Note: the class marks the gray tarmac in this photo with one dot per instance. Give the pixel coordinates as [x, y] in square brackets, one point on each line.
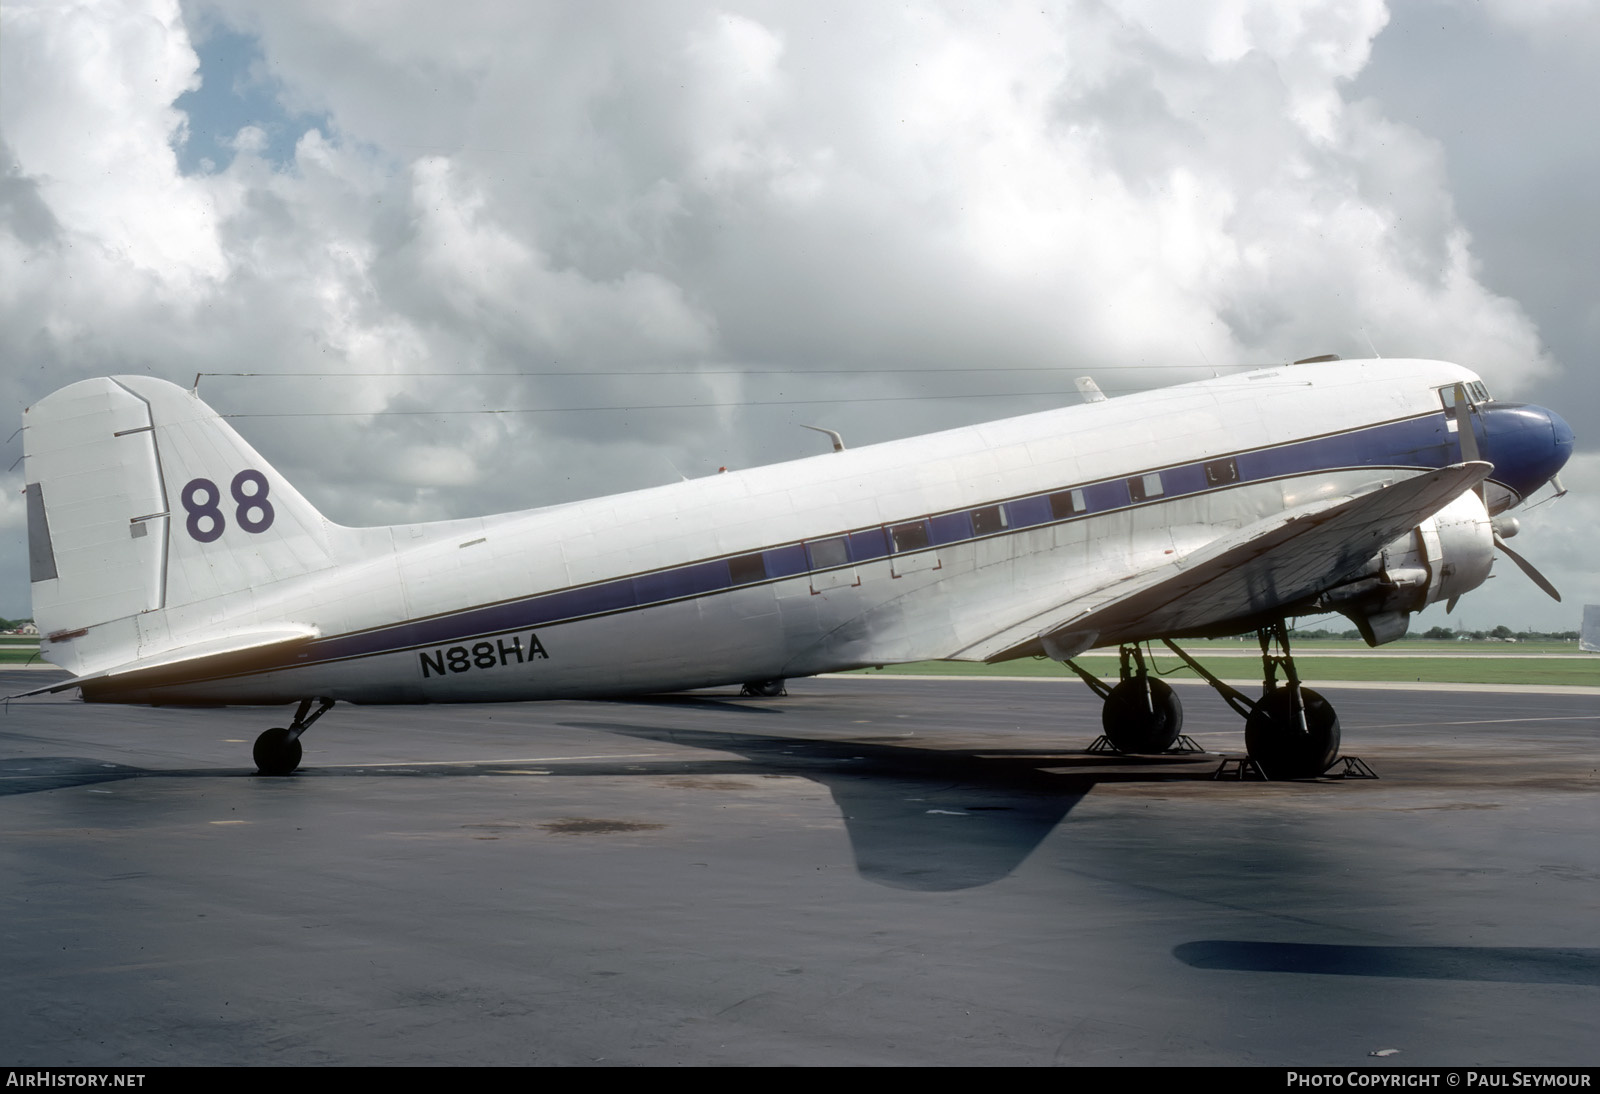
[869, 871]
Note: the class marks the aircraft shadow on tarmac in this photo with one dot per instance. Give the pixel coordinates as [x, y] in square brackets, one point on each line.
[917, 818]
[936, 820]
[31, 774]
[928, 819]
[1506, 964]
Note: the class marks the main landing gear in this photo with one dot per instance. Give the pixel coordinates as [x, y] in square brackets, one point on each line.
[277, 751]
[1142, 714]
[765, 689]
[1291, 732]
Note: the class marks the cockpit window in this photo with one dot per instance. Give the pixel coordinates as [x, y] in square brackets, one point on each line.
[1477, 394]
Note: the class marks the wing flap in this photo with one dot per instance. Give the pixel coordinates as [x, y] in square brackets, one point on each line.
[1266, 565]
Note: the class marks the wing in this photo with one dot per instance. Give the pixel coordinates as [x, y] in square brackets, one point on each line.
[1264, 566]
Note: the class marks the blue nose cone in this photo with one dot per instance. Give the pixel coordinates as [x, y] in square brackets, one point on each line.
[1527, 444]
[1563, 433]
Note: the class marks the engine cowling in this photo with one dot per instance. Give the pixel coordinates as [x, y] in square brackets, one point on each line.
[1445, 556]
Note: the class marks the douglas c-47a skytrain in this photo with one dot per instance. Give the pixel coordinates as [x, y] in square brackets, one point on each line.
[170, 564]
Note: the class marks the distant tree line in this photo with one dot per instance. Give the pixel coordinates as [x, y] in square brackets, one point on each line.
[1501, 633]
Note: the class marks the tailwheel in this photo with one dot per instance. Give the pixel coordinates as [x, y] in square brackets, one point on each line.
[1293, 733]
[276, 752]
[1142, 714]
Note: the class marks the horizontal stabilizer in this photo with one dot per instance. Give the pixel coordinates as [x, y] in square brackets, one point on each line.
[1262, 567]
[224, 655]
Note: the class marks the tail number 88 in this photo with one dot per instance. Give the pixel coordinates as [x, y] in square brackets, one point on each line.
[201, 500]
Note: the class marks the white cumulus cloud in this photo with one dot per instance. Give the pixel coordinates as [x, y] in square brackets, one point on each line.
[841, 191]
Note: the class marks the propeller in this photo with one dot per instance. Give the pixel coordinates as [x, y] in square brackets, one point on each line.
[1464, 431]
[1528, 568]
[1505, 527]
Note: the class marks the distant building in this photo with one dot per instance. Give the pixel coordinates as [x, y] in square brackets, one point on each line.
[1589, 637]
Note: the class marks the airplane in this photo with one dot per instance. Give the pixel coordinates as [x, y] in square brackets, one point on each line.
[171, 564]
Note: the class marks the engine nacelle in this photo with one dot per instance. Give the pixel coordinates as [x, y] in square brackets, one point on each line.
[1446, 555]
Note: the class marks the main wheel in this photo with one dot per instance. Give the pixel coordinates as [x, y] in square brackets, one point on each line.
[765, 689]
[1278, 745]
[276, 753]
[1137, 721]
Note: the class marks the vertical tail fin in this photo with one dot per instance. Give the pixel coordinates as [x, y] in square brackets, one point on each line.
[143, 502]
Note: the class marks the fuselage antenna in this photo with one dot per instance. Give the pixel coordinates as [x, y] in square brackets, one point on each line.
[838, 441]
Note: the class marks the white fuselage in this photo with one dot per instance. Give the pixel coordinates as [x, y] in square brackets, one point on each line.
[743, 576]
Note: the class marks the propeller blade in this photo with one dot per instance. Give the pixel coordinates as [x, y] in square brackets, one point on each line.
[1463, 415]
[1462, 412]
[1528, 568]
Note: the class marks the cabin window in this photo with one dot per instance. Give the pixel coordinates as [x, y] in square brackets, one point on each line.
[1067, 503]
[828, 553]
[743, 569]
[912, 536]
[1222, 472]
[988, 520]
[1144, 487]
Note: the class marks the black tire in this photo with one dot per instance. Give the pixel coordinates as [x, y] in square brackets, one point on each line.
[1276, 743]
[765, 689]
[1130, 723]
[276, 753]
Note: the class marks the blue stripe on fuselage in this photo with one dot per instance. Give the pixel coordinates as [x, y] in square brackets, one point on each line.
[1412, 443]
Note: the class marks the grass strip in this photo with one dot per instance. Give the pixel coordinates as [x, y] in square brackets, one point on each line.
[1379, 668]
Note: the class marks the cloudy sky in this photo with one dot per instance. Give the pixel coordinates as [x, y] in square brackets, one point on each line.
[667, 234]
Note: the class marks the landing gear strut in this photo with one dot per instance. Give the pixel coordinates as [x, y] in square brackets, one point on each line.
[1291, 732]
[765, 689]
[1141, 714]
[277, 751]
